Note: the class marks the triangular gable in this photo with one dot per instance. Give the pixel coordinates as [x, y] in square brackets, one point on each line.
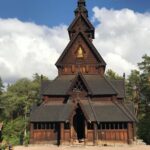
[90, 45]
[79, 83]
[88, 23]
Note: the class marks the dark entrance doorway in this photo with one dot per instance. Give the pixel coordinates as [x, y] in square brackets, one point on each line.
[79, 124]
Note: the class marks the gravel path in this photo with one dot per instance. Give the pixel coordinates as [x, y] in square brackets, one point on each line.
[51, 147]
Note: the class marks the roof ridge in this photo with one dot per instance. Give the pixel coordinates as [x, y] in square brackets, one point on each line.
[111, 85]
[65, 50]
[75, 20]
[95, 116]
[117, 82]
[84, 111]
[130, 112]
[65, 108]
[122, 109]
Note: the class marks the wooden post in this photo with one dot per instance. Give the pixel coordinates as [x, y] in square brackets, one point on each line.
[85, 140]
[130, 133]
[95, 134]
[31, 133]
[61, 133]
[71, 133]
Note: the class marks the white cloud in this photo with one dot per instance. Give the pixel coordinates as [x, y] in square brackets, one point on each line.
[119, 64]
[122, 37]
[26, 48]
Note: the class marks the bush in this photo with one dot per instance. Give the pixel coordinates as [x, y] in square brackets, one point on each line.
[26, 139]
[13, 130]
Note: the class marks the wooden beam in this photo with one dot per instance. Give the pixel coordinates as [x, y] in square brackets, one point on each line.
[130, 133]
[31, 133]
[95, 134]
[71, 133]
[86, 133]
[61, 133]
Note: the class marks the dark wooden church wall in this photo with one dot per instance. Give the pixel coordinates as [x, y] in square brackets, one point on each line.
[67, 133]
[119, 132]
[85, 69]
[87, 64]
[44, 133]
[71, 57]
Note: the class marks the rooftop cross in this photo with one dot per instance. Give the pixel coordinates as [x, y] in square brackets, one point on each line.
[81, 8]
[81, 3]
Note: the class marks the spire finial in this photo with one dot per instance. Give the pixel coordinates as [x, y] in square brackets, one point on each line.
[81, 9]
[81, 3]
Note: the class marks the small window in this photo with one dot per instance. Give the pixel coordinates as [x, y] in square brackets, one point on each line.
[67, 126]
[103, 125]
[35, 126]
[99, 126]
[39, 125]
[52, 125]
[42, 125]
[112, 125]
[107, 126]
[125, 126]
[116, 125]
[120, 126]
[47, 126]
[90, 126]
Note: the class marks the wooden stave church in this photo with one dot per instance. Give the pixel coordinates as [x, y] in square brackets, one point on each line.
[81, 105]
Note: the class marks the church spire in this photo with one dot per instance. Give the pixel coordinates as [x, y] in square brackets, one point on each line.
[81, 22]
[81, 8]
[81, 3]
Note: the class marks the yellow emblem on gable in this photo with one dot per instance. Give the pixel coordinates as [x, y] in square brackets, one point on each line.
[80, 53]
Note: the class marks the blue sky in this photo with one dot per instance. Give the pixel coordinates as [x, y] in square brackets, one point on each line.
[55, 12]
[33, 34]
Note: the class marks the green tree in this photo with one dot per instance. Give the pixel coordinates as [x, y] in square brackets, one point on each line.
[144, 67]
[144, 127]
[1, 92]
[138, 91]
[112, 75]
[16, 102]
[133, 84]
[13, 131]
[1, 86]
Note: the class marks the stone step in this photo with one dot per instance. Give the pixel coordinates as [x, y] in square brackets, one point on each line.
[139, 142]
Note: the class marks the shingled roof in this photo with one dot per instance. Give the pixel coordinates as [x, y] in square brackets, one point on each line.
[59, 86]
[93, 112]
[99, 85]
[115, 111]
[96, 84]
[52, 113]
